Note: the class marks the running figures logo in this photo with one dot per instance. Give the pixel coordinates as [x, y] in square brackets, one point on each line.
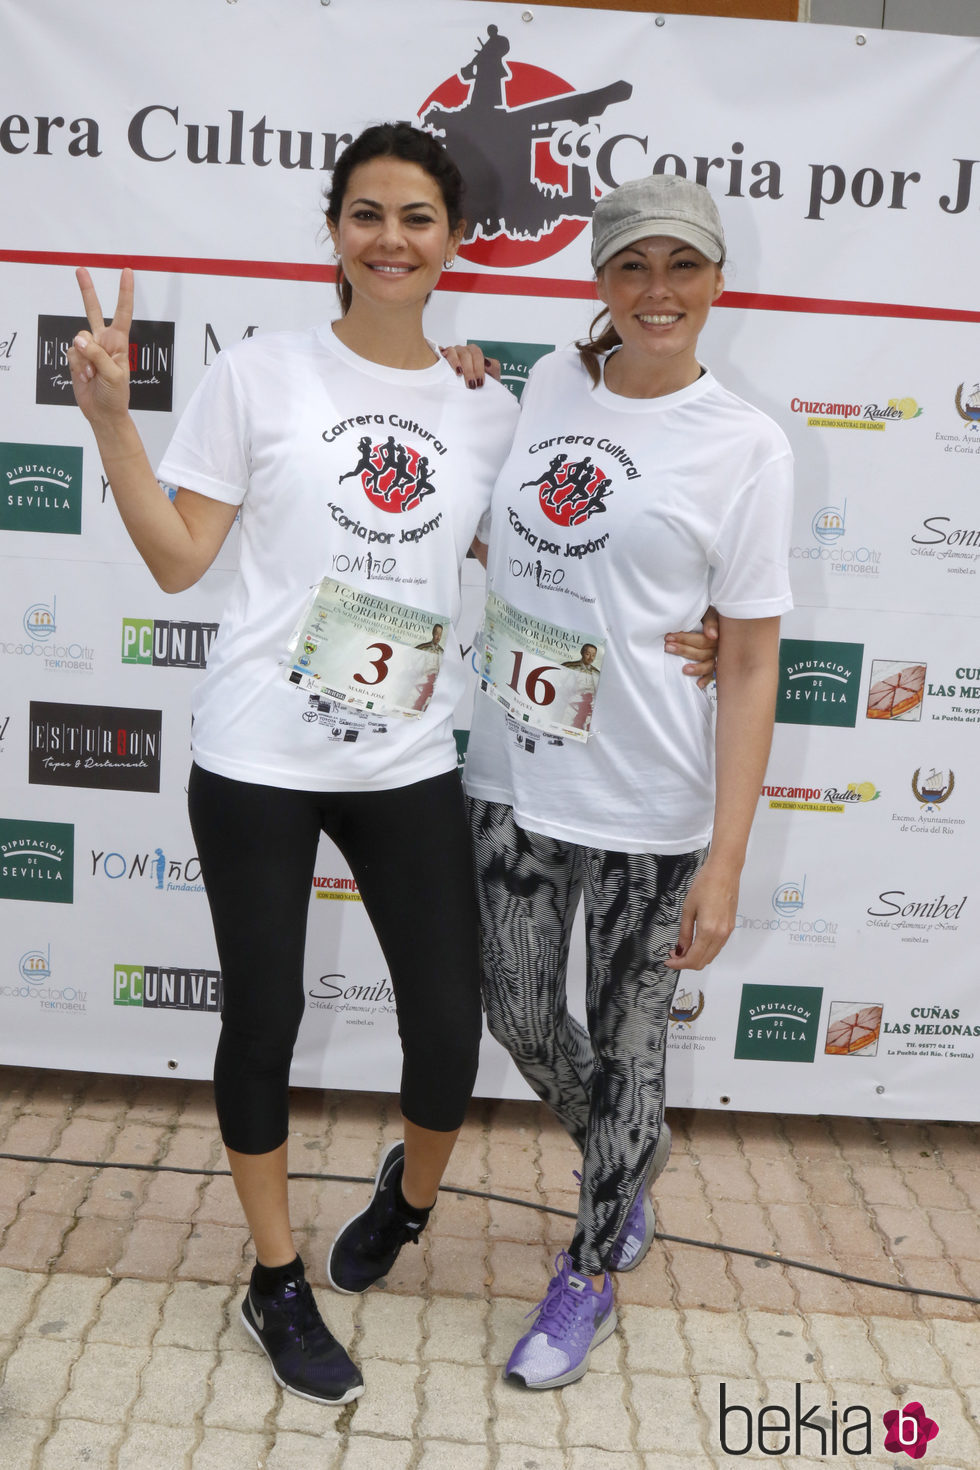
[394, 476]
[570, 491]
[527, 145]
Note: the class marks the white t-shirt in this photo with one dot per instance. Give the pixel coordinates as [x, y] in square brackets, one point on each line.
[647, 510]
[376, 477]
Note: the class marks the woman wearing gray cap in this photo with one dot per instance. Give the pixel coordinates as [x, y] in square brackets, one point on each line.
[670, 493]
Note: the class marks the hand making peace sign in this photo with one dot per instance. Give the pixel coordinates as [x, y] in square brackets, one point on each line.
[99, 360]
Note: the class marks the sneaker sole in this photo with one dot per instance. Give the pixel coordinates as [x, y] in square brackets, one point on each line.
[579, 1371]
[658, 1164]
[348, 1397]
[359, 1290]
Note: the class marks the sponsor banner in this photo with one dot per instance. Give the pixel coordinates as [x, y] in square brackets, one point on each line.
[94, 746]
[869, 367]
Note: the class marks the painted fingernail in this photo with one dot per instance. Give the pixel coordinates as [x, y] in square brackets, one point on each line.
[471, 382]
[479, 383]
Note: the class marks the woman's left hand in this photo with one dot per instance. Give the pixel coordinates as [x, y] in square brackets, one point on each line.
[700, 646]
[707, 918]
[468, 361]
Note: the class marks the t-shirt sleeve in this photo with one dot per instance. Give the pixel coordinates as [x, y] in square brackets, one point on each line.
[506, 412]
[750, 555]
[209, 452]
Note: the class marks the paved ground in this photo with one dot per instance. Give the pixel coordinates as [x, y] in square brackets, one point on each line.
[121, 1345]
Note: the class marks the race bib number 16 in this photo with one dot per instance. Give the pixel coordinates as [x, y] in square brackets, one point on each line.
[546, 677]
[367, 652]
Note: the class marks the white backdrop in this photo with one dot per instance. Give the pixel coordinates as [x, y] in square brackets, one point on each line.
[198, 154]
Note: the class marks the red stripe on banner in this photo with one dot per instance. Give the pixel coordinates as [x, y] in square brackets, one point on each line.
[488, 283]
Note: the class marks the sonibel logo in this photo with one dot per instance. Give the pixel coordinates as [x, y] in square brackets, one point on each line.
[37, 861]
[818, 682]
[166, 988]
[570, 491]
[527, 147]
[778, 1023]
[41, 488]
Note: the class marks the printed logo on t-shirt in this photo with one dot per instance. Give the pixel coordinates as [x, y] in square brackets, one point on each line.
[395, 477]
[570, 491]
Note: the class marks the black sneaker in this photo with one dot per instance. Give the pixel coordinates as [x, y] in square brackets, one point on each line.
[306, 1358]
[366, 1247]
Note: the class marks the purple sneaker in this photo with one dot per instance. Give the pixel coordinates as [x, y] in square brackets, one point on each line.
[640, 1226]
[572, 1319]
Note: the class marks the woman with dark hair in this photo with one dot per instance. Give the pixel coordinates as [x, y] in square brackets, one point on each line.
[327, 441]
[697, 503]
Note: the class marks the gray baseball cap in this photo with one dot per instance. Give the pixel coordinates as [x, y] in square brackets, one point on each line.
[662, 204]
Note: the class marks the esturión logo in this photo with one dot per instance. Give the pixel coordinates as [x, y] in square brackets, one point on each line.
[103, 746]
[526, 144]
[151, 362]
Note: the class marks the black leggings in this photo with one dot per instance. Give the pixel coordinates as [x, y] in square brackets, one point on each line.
[409, 851]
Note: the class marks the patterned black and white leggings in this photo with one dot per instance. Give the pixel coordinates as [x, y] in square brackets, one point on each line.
[606, 1085]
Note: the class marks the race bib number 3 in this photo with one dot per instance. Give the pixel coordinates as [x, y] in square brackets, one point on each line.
[545, 676]
[367, 652]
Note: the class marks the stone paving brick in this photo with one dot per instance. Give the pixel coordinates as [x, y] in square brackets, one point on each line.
[94, 1246]
[596, 1407]
[105, 1382]
[522, 1417]
[224, 1449]
[967, 1183]
[152, 1249]
[761, 1137]
[777, 1180]
[220, 1205]
[781, 1346]
[936, 1189]
[959, 1342]
[198, 1106]
[444, 1455]
[138, 1143]
[718, 1344]
[193, 1148]
[105, 1096]
[507, 1320]
[591, 1459]
[700, 1278]
[36, 1376]
[130, 1312]
[467, 1167]
[456, 1267]
[907, 1231]
[845, 1349]
[512, 1169]
[670, 1420]
[170, 1197]
[77, 1442]
[156, 1100]
[705, 1131]
[882, 1185]
[520, 1456]
[460, 1214]
[726, 1177]
[908, 1352]
[816, 1292]
[456, 1331]
[691, 1217]
[680, 1178]
[456, 1402]
[192, 1315]
[306, 1452]
[113, 1195]
[390, 1326]
[174, 1376]
[21, 1441]
[761, 1285]
[810, 1138]
[519, 1270]
[513, 1222]
[959, 1230]
[653, 1339]
[210, 1252]
[368, 1453]
[243, 1393]
[34, 1133]
[867, 1300]
[19, 1291]
[389, 1405]
[650, 1285]
[66, 1306]
[17, 1180]
[57, 1191]
[828, 1183]
[849, 1230]
[33, 1241]
[87, 1138]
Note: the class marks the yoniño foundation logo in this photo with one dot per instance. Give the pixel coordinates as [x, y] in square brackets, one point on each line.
[526, 143]
[818, 682]
[778, 1023]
